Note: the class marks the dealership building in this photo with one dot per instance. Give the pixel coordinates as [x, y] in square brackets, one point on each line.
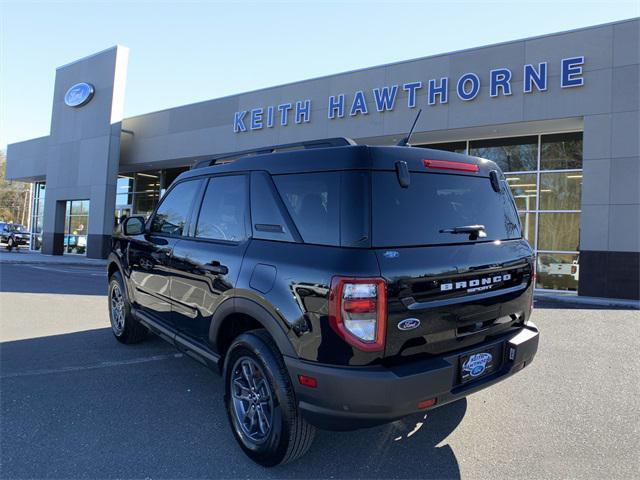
[559, 113]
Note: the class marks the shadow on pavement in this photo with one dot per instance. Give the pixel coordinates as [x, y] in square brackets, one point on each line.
[83, 406]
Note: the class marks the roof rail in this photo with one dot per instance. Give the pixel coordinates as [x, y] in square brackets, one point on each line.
[230, 157]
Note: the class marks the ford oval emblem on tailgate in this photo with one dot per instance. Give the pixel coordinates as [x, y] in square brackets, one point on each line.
[408, 324]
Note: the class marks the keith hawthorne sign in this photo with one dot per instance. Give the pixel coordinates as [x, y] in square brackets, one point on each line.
[435, 91]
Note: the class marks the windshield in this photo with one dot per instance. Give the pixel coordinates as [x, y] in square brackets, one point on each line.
[16, 228]
[434, 202]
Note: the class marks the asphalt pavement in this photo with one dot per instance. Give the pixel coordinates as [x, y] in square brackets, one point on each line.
[77, 404]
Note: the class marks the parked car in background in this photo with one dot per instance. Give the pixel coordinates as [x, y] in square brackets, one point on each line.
[13, 235]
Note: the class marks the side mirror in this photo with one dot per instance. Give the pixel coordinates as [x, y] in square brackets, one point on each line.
[133, 226]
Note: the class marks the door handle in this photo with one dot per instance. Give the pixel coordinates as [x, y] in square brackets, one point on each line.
[215, 268]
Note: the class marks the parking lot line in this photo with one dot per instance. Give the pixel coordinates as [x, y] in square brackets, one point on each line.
[133, 361]
[81, 271]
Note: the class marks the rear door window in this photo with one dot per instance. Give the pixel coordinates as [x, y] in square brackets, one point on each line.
[434, 202]
[224, 209]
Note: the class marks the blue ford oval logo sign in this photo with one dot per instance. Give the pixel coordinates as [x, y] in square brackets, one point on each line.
[408, 324]
[79, 94]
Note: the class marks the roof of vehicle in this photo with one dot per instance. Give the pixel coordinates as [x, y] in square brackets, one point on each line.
[352, 157]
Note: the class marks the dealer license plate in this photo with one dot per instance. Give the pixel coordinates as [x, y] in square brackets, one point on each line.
[478, 364]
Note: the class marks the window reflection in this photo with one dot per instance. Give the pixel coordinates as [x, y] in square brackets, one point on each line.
[561, 151]
[560, 191]
[558, 271]
[523, 186]
[513, 154]
[559, 231]
[528, 222]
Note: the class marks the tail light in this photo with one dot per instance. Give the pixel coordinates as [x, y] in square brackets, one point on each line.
[358, 311]
[574, 269]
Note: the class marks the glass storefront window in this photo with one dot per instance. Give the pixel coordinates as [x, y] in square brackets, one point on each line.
[561, 151]
[524, 187]
[559, 231]
[36, 242]
[76, 227]
[145, 202]
[123, 199]
[560, 191]
[37, 224]
[125, 184]
[37, 215]
[558, 271]
[78, 207]
[124, 191]
[515, 154]
[145, 181]
[528, 222]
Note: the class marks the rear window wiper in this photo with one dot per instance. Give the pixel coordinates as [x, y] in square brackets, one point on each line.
[474, 231]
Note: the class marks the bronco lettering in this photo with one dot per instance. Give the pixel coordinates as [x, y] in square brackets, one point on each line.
[460, 284]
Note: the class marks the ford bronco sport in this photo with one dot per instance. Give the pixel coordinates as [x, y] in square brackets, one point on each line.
[336, 286]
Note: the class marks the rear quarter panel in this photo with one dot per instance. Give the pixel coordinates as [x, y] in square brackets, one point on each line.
[299, 293]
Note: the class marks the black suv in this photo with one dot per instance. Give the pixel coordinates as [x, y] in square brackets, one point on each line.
[13, 235]
[336, 287]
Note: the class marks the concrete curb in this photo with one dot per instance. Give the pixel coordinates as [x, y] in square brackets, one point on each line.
[597, 301]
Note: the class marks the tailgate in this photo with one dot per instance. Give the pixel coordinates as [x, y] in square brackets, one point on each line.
[460, 294]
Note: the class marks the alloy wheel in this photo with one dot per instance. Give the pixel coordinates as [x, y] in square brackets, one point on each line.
[117, 309]
[252, 401]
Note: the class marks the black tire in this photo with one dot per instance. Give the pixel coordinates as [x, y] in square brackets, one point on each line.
[128, 329]
[10, 244]
[289, 436]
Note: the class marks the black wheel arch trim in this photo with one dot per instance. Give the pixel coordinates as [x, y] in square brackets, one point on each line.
[115, 259]
[234, 305]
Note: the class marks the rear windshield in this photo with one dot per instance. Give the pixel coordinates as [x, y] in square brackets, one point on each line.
[434, 202]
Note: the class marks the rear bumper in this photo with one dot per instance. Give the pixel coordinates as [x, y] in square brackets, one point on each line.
[348, 398]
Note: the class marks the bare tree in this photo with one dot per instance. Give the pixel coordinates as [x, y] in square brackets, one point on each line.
[14, 197]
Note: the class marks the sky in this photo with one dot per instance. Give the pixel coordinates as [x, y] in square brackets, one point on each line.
[183, 52]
